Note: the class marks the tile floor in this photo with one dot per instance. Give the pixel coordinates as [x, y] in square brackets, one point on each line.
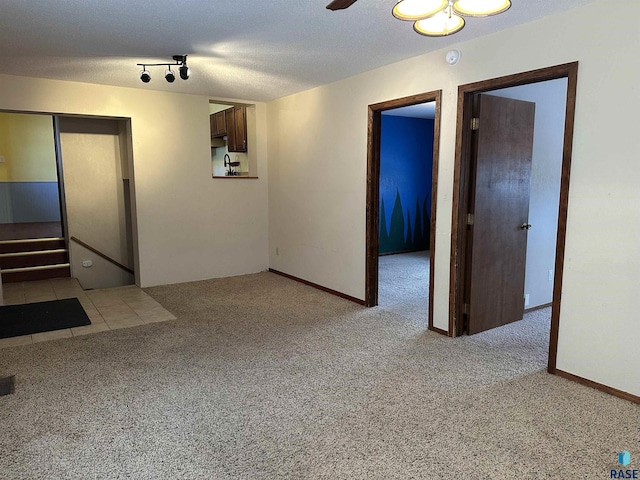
[108, 309]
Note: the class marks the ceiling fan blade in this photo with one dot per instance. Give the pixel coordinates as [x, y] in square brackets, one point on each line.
[340, 4]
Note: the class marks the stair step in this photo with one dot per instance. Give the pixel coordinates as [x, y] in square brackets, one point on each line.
[41, 272]
[31, 244]
[33, 259]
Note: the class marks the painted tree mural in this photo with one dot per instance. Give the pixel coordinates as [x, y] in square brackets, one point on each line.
[406, 150]
[384, 234]
[398, 239]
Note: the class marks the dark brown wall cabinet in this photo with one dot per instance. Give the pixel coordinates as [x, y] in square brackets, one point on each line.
[236, 129]
[231, 122]
[218, 124]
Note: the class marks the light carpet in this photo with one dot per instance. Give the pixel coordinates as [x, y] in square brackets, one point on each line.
[261, 377]
[403, 284]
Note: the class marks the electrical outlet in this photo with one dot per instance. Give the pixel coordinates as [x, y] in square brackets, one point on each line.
[550, 275]
[277, 251]
[1, 158]
[526, 299]
[87, 263]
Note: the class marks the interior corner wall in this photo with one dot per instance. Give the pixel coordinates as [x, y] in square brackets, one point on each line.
[188, 226]
[318, 165]
[406, 161]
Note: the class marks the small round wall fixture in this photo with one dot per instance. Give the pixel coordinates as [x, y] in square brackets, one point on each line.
[453, 57]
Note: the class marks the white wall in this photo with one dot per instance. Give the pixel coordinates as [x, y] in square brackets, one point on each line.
[546, 167]
[317, 173]
[101, 274]
[185, 232]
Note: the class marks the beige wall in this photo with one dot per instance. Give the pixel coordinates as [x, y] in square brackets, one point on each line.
[26, 143]
[101, 273]
[317, 176]
[185, 230]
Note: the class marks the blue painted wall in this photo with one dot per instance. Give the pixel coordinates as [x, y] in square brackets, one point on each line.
[22, 202]
[406, 158]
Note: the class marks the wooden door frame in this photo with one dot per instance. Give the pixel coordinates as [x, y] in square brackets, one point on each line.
[461, 189]
[373, 192]
[60, 174]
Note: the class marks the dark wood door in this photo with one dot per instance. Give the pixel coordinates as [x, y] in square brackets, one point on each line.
[499, 200]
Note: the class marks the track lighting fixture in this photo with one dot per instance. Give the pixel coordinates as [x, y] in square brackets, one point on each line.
[169, 75]
[184, 72]
[145, 76]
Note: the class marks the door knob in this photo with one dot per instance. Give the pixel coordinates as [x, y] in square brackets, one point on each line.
[525, 226]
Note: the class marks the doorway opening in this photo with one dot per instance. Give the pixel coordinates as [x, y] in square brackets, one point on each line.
[32, 245]
[99, 195]
[29, 199]
[67, 200]
[396, 173]
[491, 202]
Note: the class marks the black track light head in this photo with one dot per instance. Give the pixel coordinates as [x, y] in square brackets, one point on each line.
[184, 72]
[169, 76]
[145, 76]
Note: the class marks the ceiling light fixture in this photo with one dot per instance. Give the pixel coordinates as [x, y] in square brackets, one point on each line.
[184, 71]
[438, 18]
[417, 9]
[169, 75]
[481, 8]
[145, 76]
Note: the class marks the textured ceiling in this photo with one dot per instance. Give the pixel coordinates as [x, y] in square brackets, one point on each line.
[243, 49]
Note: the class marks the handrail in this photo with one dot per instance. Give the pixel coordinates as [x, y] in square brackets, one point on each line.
[30, 240]
[102, 255]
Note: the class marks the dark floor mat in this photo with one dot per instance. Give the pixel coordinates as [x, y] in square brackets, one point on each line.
[39, 317]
